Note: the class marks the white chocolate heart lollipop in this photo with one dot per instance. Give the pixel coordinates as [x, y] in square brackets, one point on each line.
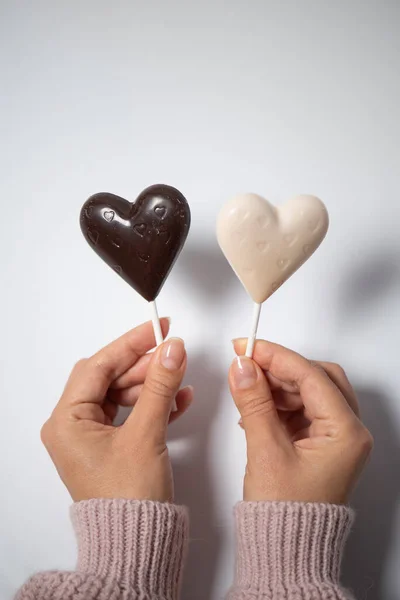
[265, 244]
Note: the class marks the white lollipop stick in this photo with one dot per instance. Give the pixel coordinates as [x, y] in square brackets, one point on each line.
[156, 324]
[159, 335]
[253, 335]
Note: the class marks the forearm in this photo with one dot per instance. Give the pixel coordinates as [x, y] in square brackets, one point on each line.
[126, 550]
[289, 551]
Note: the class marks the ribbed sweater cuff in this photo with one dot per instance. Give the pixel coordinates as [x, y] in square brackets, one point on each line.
[289, 547]
[139, 545]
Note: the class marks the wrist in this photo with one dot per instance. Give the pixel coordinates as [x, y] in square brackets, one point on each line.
[138, 545]
[285, 545]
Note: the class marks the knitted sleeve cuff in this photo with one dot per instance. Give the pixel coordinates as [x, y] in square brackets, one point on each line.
[139, 545]
[289, 547]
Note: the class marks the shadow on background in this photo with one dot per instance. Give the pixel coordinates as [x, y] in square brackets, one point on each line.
[366, 286]
[192, 471]
[205, 270]
[193, 486]
[375, 502]
[367, 282]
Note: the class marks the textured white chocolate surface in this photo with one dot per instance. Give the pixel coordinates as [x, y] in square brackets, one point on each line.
[265, 244]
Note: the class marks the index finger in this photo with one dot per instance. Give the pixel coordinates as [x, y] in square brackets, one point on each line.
[90, 379]
[320, 396]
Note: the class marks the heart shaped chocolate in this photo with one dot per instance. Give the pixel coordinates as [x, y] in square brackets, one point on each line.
[141, 240]
[265, 244]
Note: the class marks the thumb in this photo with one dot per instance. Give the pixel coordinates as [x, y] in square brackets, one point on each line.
[253, 398]
[163, 380]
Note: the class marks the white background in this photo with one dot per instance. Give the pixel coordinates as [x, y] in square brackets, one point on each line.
[215, 98]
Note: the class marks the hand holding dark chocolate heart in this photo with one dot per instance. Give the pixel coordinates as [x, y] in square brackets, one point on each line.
[141, 240]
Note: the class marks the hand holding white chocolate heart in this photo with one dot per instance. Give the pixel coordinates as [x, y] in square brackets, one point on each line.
[265, 244]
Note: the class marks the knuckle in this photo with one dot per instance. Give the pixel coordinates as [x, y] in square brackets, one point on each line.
[45, 433]
[255, 404]
[366, 441]
[101, 366]
[79, 364]
[339, 371]
[316, 366]
[331, 367]
[359, 437]
[159, 386]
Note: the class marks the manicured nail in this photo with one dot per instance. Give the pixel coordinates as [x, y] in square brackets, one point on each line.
[173, 354]
[237, 340]
[189, 391]
[244, 372]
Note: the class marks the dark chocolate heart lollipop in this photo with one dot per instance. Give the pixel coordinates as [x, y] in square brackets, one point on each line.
[141, 240]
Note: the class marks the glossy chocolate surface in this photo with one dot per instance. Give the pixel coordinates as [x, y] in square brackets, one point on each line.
[141, 240]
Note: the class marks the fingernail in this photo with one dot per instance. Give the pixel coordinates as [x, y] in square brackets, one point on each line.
[236, 340]
[244, 372]
[173, 354]
[189, 391]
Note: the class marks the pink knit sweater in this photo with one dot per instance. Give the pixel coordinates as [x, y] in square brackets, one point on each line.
[131, 550]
